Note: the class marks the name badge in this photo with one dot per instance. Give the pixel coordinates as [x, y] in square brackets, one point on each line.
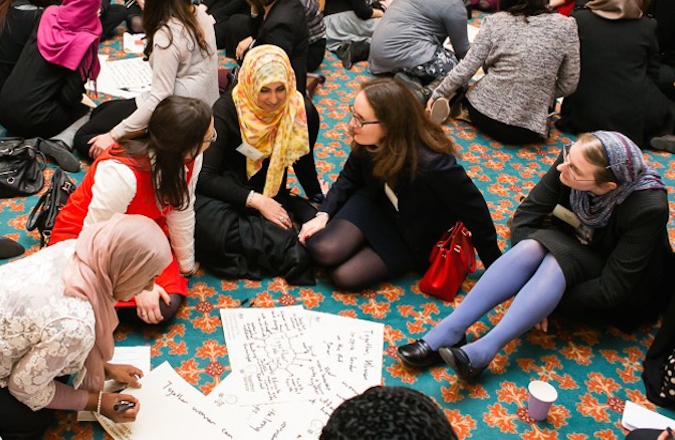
[566, 215]
[249, 151]
[391, 195]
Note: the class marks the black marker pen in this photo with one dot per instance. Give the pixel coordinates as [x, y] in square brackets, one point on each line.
[124, 405]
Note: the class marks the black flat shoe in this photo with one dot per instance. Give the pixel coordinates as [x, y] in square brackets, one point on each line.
[459, 361]
[344, 53]
[60, 152]
[10, 248]
[420, 355]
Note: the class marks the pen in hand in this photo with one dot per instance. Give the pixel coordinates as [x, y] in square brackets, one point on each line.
[124, 405]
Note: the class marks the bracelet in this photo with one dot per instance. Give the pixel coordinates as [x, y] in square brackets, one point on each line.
[321, 213]
[249, 198]
[100, 399]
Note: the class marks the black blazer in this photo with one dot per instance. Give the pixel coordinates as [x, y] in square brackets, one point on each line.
[430, 204]
[223, 175]
[286, 26]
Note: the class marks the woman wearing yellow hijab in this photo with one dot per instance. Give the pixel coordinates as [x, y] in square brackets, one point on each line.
[244, 210]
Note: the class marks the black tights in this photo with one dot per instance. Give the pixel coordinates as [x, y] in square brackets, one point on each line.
[130, 315]
[342, 247]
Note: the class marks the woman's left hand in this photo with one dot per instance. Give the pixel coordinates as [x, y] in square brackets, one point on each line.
[242, 47]
[312, 227]
[127, 374]
[100, 143]
[430, 104]
[147, 304]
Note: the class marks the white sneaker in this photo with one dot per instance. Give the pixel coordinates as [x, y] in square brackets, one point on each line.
[440, 110]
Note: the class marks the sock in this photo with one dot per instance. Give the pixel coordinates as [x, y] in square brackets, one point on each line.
[505, 277]
[535, 301]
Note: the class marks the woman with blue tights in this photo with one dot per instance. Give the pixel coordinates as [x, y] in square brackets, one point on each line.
[591, 236]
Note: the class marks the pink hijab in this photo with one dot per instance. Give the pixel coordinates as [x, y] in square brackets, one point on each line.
[113, 260]
[68, 36]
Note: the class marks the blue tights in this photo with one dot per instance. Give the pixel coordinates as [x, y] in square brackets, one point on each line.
[527, 271]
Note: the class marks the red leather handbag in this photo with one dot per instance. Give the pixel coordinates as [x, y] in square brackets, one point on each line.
[451, 259]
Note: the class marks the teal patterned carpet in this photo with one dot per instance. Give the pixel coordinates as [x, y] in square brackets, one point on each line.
[595, 369]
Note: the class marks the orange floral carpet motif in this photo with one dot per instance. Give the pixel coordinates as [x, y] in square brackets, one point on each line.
[595, 369]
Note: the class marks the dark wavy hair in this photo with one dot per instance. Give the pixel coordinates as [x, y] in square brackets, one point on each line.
[525, 8]
[158, 12]
[407, 127]
[176, 132]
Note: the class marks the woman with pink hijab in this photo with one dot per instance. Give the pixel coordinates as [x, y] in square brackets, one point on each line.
[61, 323]
[42, 96]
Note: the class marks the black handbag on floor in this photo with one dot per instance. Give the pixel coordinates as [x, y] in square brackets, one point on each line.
[21, 165]
[44, 213]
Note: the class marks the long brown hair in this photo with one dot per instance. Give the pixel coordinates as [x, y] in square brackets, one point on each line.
[407, 127]
[176, 131]
[158, 12]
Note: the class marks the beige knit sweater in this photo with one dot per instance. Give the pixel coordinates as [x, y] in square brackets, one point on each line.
[178, 68]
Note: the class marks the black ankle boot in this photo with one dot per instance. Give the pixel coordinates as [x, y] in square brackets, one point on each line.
[344, 53]
[360, 51]
[10, 248]
[61, 153]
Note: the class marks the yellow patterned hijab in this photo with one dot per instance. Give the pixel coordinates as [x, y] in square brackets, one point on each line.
[281, 136]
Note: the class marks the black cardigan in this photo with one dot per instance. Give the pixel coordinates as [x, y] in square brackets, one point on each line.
[430, 204]
[223, 175]
[285, 25]
[634, 244]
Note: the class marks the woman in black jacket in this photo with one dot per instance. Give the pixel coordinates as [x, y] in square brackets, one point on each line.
[605, 252]
[244, 209]
[399, 190]
[618, 88]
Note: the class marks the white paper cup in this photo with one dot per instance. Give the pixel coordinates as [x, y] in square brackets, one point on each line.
[542, 396]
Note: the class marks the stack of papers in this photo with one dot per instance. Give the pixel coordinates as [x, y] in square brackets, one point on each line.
[290, 369]
[126, 78]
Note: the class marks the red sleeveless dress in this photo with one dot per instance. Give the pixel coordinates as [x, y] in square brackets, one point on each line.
[70, 220]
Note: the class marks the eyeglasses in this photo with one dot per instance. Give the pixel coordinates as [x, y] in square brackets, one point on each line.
[213, 137]
[358, 121]
[565, 152]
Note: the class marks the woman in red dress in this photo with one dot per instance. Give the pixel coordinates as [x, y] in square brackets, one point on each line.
[153, 173]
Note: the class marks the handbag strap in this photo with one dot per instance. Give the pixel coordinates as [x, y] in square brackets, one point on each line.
[46, 209]
[461, 242]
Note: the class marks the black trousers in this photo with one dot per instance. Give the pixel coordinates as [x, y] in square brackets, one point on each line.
[103, 119]
[111, 18]
[506, 134]
[315, 54]
[18, 422]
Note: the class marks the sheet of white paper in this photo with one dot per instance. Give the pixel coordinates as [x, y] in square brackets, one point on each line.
[280, 359]
[639, 417]
[136, 356]
[172, 409]
[303, 419]
[125, 78]
[354, 346]
[263, 422]
[133, 43]
[275, 356]
[472, 31]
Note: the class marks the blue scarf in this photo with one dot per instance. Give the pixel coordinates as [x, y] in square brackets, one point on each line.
[632, 174]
